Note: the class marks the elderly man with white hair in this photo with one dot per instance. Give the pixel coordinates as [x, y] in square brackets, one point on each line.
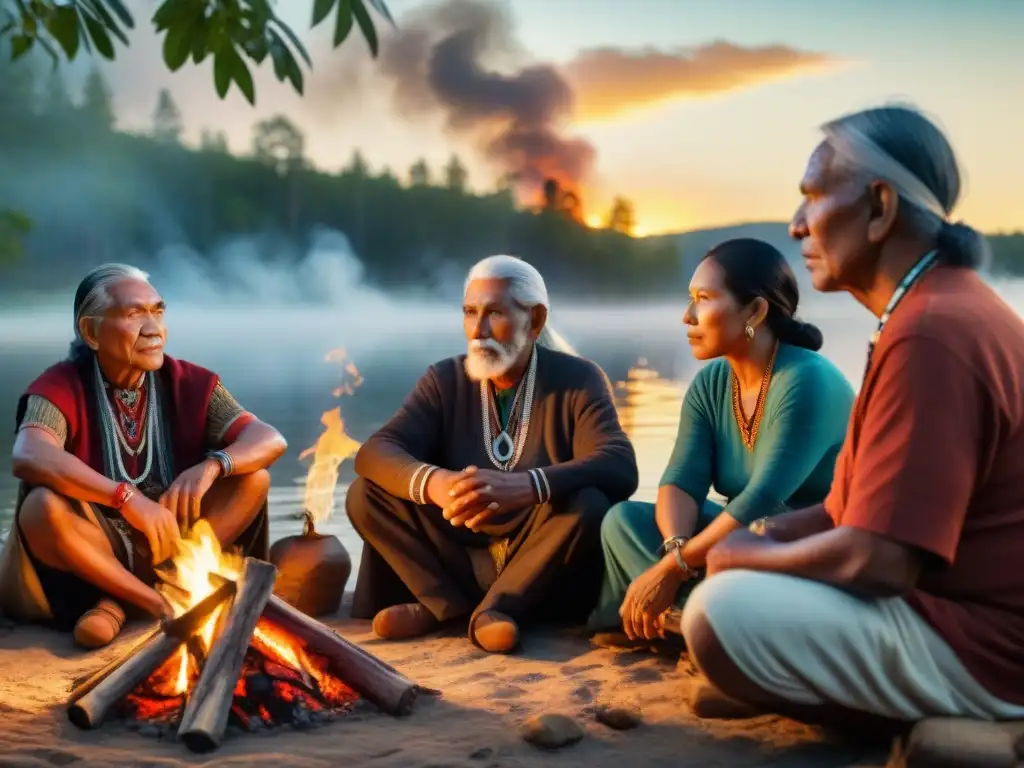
[119, 449]
[482, 498]
[901, 596]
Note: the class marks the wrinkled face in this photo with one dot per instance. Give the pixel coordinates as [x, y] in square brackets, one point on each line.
[715, 321]
[832, 224]
[132, 332]
[498, 330]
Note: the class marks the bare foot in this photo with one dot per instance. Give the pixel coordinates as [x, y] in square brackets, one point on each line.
[100, 625]
[495, 632]
[403, 622]
[707, 702]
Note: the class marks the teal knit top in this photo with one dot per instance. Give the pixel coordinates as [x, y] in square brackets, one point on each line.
[803, 424]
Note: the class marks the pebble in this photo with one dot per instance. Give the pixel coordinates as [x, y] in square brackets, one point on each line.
[551, 731]
[619, 718]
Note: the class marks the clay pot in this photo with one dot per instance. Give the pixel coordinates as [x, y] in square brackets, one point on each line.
[312, 571]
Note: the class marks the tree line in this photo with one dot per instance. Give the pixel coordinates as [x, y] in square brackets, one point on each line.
[93, 193]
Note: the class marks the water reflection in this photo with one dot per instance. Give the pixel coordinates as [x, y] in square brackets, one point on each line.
[648, 407]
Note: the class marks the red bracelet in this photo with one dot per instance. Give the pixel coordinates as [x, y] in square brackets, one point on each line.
[121, 495]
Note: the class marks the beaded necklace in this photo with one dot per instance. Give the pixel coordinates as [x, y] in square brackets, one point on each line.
[748, 429]
[916, 272]
[504, 447]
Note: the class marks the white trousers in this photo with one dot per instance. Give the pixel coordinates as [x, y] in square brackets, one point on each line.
[810, 643]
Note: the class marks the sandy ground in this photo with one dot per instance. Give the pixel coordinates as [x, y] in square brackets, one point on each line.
[475, 723]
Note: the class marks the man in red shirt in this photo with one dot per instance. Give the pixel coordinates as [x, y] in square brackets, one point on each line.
[901, 597]
[119, 449]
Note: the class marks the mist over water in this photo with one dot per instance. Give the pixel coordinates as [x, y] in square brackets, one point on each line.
[267, 326]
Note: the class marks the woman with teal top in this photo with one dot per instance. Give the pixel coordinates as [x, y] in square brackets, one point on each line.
[762, 423]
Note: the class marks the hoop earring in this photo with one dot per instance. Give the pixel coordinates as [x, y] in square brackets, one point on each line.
[749, 330]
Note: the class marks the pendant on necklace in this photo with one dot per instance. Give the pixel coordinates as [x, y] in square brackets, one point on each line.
[503, 447]
[127, 396]
[130, 427]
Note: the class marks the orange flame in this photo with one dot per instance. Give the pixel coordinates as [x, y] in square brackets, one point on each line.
[331, 448]
[199, 557]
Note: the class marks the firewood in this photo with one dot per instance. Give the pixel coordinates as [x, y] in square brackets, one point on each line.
[364, 673]
[92, 700]
[209, 704]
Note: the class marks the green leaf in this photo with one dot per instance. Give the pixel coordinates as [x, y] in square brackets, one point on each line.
[343, 22]
[63, 25]
[243, 78]
[257, 49]
[121, 12]
[366, 25]
[173, 12]
[295, 75]
[199, 49]
[100, 38]
[280, 55]
[16, 221]
[321, 8]
[97, 9]
[296, 43]
[222, 68]
[20, 45]
[177, 46]
[382, 9]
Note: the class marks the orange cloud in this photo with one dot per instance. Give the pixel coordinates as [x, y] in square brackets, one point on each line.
[608, 82]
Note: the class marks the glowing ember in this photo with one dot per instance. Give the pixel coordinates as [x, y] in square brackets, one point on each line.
[331, 448]
[281, 680]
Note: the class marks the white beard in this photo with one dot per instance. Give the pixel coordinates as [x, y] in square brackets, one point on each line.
[486, 359]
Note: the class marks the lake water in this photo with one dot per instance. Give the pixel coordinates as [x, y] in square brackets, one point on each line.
[275, 361]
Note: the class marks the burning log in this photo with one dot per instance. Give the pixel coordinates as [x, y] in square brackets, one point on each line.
[93, 698]
[367, 675]
[206, 715]
[373, 679]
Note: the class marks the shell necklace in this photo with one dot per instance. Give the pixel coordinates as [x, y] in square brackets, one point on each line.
[504, 449]
[748, 429]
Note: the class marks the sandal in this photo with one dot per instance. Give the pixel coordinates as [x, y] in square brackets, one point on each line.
[100, 625]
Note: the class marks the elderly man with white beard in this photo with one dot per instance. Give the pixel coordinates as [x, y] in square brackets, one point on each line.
[482, 498]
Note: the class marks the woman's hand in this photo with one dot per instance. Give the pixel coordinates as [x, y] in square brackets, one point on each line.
[650, 594]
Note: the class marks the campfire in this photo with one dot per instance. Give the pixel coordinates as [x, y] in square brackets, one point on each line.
[234, 654]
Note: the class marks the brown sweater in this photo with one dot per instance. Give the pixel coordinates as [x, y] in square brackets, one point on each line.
[574, 432]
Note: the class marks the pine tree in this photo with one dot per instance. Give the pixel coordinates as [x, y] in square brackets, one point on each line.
[97, 101]
[455, 175]
[419, 174]
[167, 125]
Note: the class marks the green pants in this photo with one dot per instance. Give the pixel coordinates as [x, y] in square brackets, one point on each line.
[631, 540]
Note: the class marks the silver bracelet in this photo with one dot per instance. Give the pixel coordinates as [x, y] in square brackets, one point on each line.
[227, 466]
[683, 565]
[673, 543]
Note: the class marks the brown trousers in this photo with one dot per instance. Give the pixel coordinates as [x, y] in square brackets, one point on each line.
[548, 558]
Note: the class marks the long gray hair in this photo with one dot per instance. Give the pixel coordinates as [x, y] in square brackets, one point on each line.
[901, 146]
[93, 298]
[526, 287]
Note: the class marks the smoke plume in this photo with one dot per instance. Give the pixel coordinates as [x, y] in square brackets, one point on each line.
[444, 57]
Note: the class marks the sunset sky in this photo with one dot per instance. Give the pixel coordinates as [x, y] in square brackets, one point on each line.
[700, 112]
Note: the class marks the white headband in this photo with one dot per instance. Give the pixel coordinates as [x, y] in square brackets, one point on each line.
[864, 153]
